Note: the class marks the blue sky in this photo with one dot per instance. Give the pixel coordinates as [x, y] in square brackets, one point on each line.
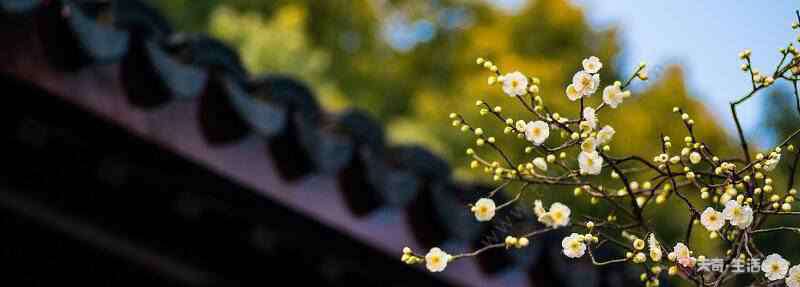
[705, 37]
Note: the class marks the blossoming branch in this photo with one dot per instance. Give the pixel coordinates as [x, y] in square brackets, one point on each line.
[737, 195]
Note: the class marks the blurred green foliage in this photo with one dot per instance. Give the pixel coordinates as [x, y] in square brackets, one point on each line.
[340, 48]
[278, 44]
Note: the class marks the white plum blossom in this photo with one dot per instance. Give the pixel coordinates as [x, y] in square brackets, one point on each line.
[572, 93]
[515, 84]
[661, 158]
[739, 216]
[546, 219]
[537, 132]
[655, 248]
[590, 117]
[605, 134]
[484, 209]
[683, 255]
[540, 163]
[560, 214]
[712, 219]
[774, 267]
[436, 260]
[538, 208]
[772, 162]
[590, 162]
[573, 246]
[613, 96]
[592, 64]
[585, 83]
[589, 144]
[557, 216]
[585, 126]
[793, 280]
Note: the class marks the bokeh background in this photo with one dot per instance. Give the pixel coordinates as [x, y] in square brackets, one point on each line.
[411, 63]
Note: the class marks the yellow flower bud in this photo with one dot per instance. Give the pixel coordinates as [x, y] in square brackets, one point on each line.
[511, 241]
[522, 242]
[638, 244]
[673, 270]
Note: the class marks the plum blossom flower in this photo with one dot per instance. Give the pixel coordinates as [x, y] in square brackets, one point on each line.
[590, 117]
[436, 260]
[556, 217]
[739, 216]
[613, 96]
[560, 214]
[661, 158]
[683, 255]
[589, 144]
[573, 246]
[655, 248]
[538, 208]
[484, 209]
[772, 161]
[590, 162]
[712, 219]
[592, 64]
[585, 126]
[793, 280]
[572, 93]
[585, 83]
[605, 134]
[537, 132]
[774, 267]
[515, 84]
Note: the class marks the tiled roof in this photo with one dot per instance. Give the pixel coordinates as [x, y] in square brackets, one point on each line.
[190, 93]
